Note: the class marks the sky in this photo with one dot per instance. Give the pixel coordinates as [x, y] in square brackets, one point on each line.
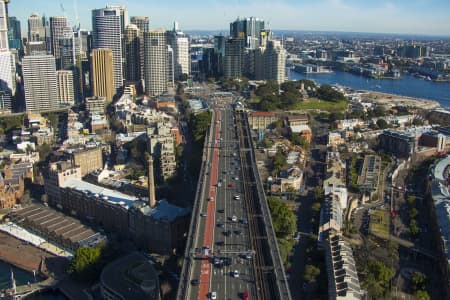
[430, 17]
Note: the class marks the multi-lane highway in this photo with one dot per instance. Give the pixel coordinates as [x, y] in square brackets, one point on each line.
[229, 254]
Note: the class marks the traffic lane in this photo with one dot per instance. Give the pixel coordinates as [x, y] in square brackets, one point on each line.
[208, 238]
[222, 274]
[194, 290]
[217, 283]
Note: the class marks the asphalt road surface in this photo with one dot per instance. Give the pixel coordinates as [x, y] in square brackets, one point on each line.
[223, 228]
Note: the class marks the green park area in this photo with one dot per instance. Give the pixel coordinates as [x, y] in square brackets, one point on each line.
[379, 224]
[314, 103]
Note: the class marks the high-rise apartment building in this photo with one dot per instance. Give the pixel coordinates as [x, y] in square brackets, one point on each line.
[7, 66]
[179, 42]
[14, 33]
[275, 62]
[155, 62]
[248, 29]
[36, 30]
[3, 27]
[107, 34]
[102, 73]
[132, 53]
[234, 57]
[66, 50]
[58, 25]
[170, 66]
[64, 84]
[143, 24]
[39, 75]
[7, 84]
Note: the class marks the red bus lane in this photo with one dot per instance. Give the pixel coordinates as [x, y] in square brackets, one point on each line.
[205, 273]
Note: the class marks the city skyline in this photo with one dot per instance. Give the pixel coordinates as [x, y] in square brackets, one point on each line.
[402, 17]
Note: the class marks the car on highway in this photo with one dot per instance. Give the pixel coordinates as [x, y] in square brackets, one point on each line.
[231, 185]
[237, 232]
[245, 296]
[237, 197]
[203, 214]
[236, 178]
[221, 211]
[234, 218]
[227, 233]
[235, 273]
[195, 282]
[244, 221]
[220, 243]
[212, 295]
[221, 225]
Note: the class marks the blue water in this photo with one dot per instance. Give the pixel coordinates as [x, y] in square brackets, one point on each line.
[406, 86]
[23, 277]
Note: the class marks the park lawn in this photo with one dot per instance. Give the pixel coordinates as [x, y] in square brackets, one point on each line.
[379, 224]
[314, 103]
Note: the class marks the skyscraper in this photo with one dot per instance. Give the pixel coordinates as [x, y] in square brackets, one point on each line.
[141, 22]
[275, 61]
[66, 50]
[102, 73]
[64, 84]
[14, 33]
[132, 53]
[180, 45]
[107, 34]
[39, 75]
[155, 62]
[7, 66]
[248, 29]
[3, 27]
[234, 57]
[36, 30]
[58, 25]
[170, 66]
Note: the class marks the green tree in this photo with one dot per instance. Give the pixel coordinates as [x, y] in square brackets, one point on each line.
[44, 150]
[422, 295]
[328, 93]
[379, 111]
[377, 279]
[267, 143]
[279, 161]
[86, 264]
[318, 193]
[283, 218]
[413, 228]
[382, 124]
[311, 273]
[316, 207]
[419, 281]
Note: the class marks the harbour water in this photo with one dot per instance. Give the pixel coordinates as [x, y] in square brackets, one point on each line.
[23, 277]
[408, 85]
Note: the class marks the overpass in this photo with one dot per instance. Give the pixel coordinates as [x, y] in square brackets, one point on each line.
[231, 248]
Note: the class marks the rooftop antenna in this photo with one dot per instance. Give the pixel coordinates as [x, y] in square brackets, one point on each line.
[63, 9]
[75, 9]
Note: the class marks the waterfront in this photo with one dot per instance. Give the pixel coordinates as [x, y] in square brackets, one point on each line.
[23, 277]
[406, 86]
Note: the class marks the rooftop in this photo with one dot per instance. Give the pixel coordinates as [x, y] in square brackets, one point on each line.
[165, 210]
[131, 277]
[108, 195]
[262, 114]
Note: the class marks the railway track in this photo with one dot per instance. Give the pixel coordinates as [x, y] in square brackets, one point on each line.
[265, 280]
